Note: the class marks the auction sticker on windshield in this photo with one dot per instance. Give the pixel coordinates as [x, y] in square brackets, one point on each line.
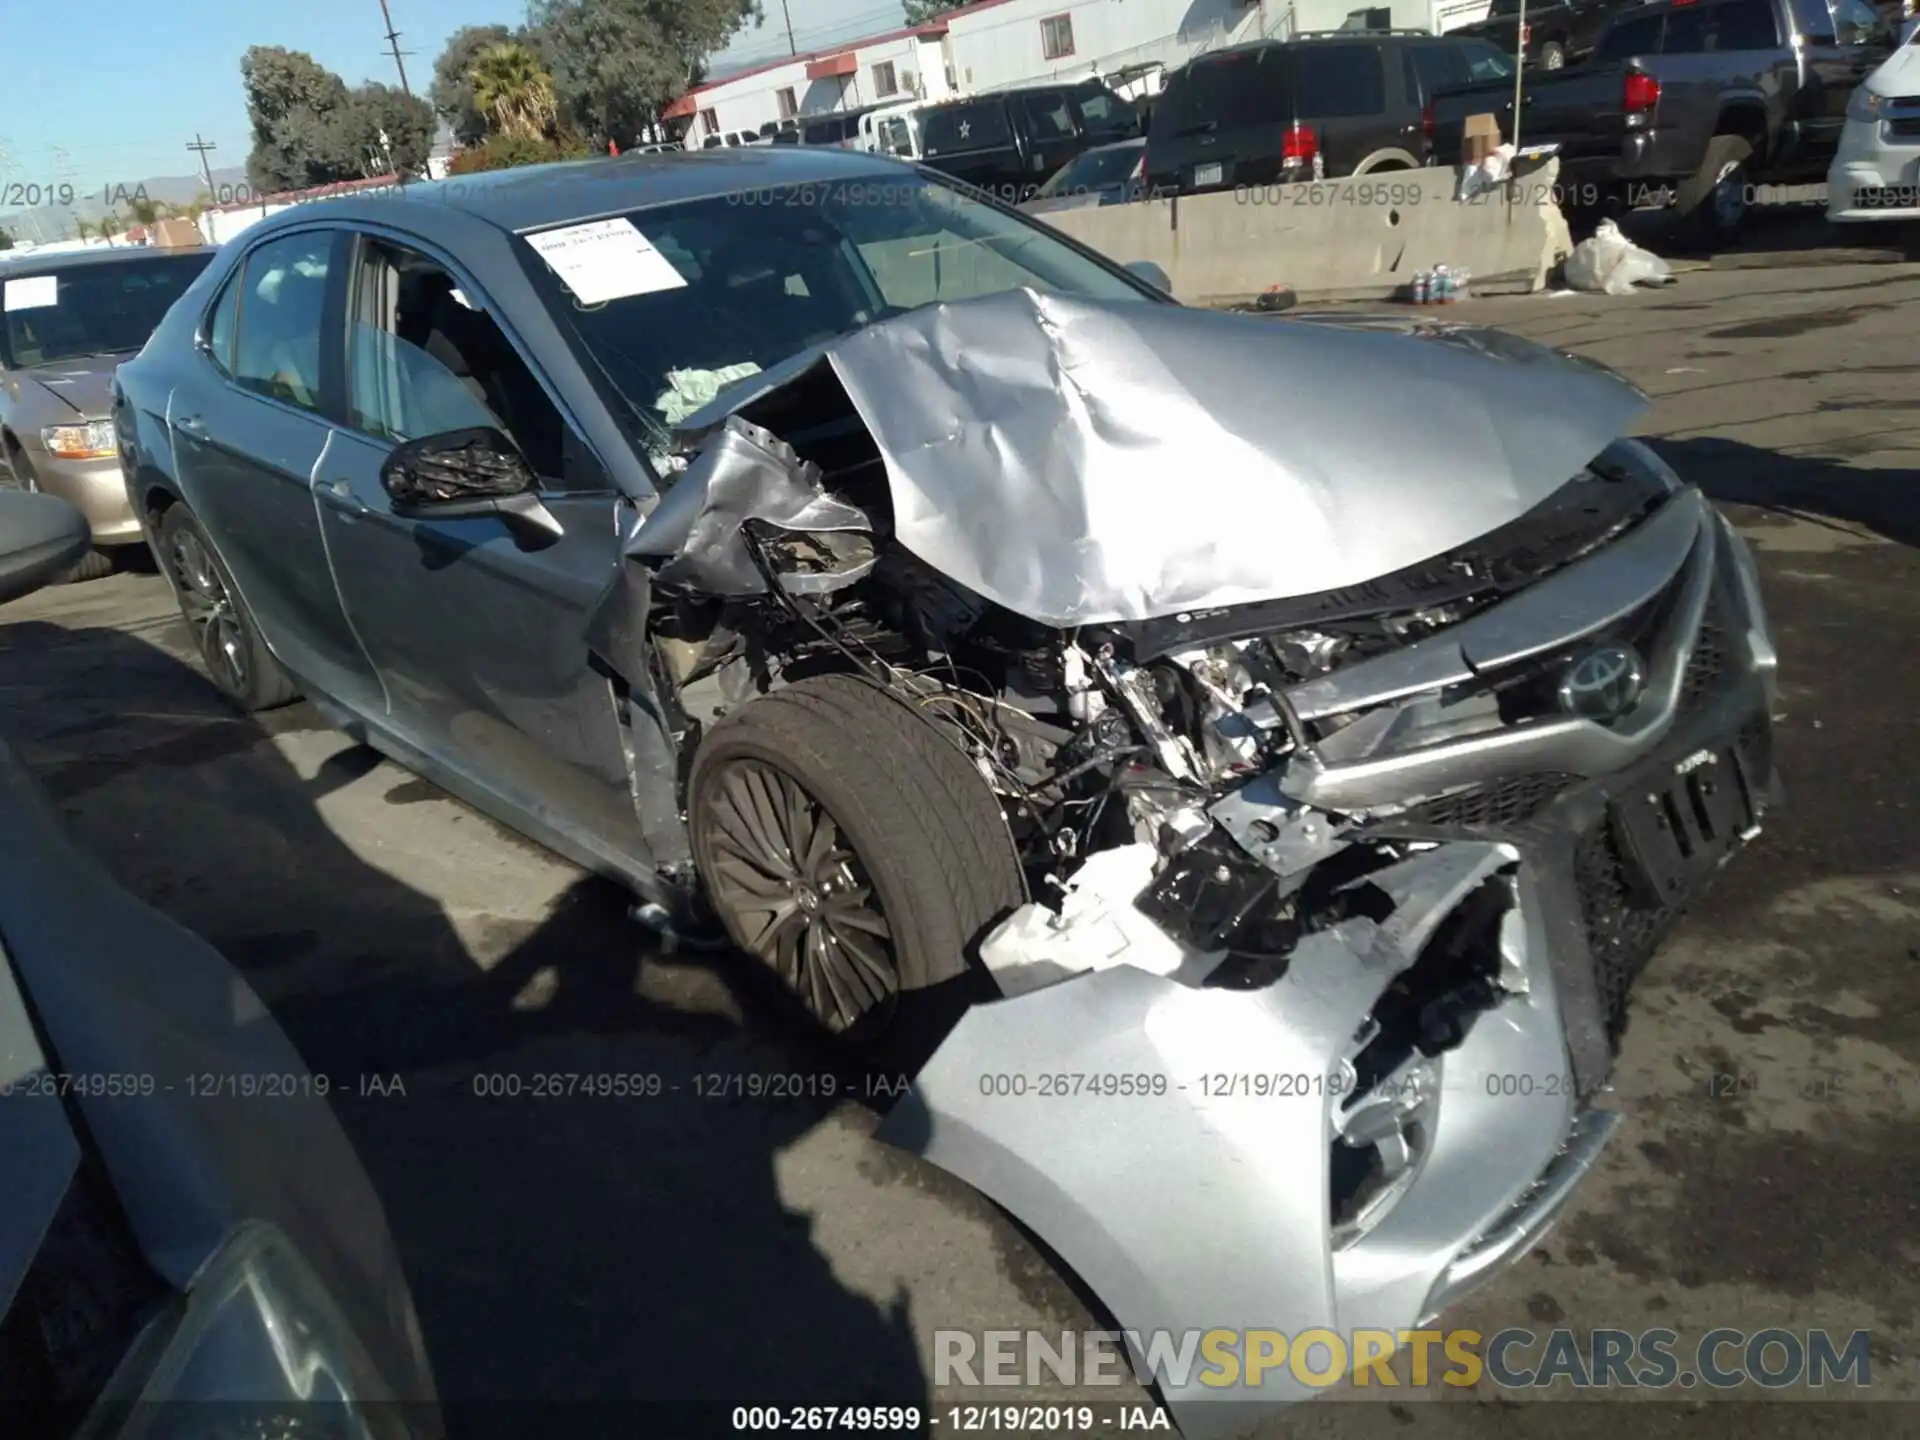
[33, 292]
[601, 260]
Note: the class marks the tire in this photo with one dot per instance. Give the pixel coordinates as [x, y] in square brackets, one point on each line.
[914, 865]
[1712, 204]
[224, 631]
[1553, 56]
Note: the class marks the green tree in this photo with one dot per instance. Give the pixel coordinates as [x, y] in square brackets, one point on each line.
[82, 229]
[452, 90]
[514, 91]
[919, 12]
[144, 210]
[616, 63]
[373, 110]
[301, 133]
[6, 240]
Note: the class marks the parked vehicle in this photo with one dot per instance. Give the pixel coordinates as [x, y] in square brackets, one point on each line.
[891, 130]
[1875, 173]
[1105, 175]
[165, 1237]
[68, 320]
[1010, 142]
[1689, 103]
[1558, 32]
[1284, 111]
[813, 596]
[841, 129]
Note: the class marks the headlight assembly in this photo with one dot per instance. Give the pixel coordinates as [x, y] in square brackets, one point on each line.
[92, 440]
[256, 1348]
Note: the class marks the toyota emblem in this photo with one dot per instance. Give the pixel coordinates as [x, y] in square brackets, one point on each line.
[1603, 683]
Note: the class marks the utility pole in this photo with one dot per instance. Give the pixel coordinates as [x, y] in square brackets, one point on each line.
[393, 43]
[792, 49]
[202, 147]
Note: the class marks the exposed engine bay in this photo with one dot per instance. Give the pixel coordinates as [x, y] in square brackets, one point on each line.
[1313, 835]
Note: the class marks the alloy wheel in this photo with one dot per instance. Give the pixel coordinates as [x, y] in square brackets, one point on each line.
[803, 901]
[210, 612]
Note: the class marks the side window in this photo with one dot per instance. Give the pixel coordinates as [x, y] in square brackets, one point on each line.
[282, 304]
[423, 358]
[220, 329]
[1339, 80]
[1747, 25]
[1434, 67]
[1813, 20]
[1855, 22]
[1048, 116]
[1626, 38]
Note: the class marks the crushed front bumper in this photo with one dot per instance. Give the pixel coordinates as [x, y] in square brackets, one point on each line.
[1189, 1147]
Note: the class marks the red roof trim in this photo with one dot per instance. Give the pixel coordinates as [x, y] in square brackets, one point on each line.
[931, 28]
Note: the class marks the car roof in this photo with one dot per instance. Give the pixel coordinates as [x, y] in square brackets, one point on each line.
[41, 262]
[533, 197]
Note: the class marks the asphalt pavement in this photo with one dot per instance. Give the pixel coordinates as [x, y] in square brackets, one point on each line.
[706, 1242]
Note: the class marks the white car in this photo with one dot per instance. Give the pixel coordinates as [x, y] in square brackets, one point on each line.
[1876, 172]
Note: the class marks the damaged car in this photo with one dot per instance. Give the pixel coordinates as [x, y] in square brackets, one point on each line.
[823, 550]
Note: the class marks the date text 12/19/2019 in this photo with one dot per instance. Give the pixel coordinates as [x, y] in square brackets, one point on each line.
[1007, 1419]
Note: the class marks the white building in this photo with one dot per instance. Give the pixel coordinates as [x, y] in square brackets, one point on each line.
[907, 64]
[994, 44]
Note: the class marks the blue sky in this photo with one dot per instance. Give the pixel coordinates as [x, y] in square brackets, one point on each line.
[121, 86]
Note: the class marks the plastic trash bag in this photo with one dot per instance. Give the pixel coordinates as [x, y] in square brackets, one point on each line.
[1606, 262]
[1478, 179]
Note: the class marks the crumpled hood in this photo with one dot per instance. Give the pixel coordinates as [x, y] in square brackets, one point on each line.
[1899, 73]
[1082, 461]
[85, 386]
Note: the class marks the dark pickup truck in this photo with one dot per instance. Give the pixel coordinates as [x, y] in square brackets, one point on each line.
[1688, 103]
[1559, 32]
[1010, 142]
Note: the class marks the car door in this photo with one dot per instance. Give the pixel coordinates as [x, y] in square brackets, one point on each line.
[249, 431]
[1843, 41]
[478, 639]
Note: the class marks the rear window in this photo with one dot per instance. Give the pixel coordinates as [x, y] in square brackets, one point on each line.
[956, 129]
[1746, 25]
[1485, 60]
[1101, 109]
[1625, 38]
[1341, 80]
[1814, 19]
[1224, 92]
[1434, 67]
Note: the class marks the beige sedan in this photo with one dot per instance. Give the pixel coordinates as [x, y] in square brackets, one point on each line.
[68, 321]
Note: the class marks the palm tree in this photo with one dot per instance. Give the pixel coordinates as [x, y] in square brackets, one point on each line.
[145, 211]
[82, 229]
[513, 91]
[111, 225]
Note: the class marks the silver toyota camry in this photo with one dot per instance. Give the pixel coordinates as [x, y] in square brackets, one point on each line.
[1270, 749]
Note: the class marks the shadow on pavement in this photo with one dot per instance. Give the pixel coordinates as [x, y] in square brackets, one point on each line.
[1886, 502]
[560, 1246]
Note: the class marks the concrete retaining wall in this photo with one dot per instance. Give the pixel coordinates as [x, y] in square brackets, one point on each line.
[1361, 238]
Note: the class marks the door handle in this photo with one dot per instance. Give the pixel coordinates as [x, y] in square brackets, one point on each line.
[192, 424]
[341, 493]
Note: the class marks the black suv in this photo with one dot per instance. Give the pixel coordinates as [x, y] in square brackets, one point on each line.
[1011, 142]
[1279, 111]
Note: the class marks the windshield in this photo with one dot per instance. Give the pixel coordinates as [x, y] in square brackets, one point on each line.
[757, 277]
[1093, 170]
[92, 309]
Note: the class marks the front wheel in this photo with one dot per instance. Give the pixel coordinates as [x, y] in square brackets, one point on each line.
[1713, 202]
[852, 849]
[223, 629]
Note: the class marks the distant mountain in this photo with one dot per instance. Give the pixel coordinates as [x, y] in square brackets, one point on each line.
[47, 211]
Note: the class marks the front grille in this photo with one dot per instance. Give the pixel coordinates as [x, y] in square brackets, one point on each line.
[1622, 933]
[1497, 805]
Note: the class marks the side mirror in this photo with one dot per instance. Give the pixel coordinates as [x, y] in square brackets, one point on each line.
[41, 537]
[1152, 274]
[466, 474]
